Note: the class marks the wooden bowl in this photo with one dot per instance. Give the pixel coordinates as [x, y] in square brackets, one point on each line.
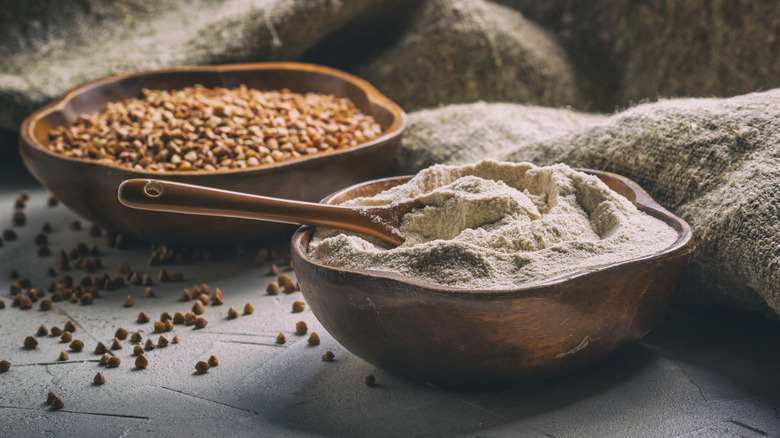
[89, 188]
[480, 339]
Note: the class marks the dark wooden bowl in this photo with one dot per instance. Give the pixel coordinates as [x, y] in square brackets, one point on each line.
[89, 188]
[480, 339]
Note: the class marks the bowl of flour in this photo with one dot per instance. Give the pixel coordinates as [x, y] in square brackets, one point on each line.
[508, 272]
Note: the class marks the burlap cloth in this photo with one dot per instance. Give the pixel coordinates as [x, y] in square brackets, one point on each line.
[559, 73]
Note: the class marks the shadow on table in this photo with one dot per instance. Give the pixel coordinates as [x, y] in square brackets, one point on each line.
[334, 401]
[727, 353]
[13, 173]
[721, 355]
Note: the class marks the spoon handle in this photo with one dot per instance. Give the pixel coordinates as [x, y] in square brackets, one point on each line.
[175, 197]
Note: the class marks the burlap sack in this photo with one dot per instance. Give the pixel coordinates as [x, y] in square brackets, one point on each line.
[594, 55]
[459, 134]
[715, 162]
[49, 46]
[467, 50]
[628, 51]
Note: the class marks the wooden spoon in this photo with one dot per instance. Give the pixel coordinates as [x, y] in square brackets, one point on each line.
[381, 222]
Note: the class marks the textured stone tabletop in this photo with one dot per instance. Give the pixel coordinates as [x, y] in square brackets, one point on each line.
[700, 373]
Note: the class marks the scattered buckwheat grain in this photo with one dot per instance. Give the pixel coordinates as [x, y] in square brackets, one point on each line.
[70, 326]
[101, 348]
[201, 367]
[30, 343]
[77, 345]
[232, 313]
[141, 362]
[121, 333]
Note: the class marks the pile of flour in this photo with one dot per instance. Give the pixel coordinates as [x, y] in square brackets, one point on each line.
[493, 225]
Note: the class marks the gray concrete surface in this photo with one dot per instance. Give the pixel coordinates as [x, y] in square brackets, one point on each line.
[700, 373]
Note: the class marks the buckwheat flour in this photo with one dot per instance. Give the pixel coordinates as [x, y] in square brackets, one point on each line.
[494, 225]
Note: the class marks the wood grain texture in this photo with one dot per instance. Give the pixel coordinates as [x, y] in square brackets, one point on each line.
[90, 188]
[478, 339]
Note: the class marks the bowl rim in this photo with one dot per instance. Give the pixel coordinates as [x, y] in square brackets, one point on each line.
[683, 246]
[373, 95]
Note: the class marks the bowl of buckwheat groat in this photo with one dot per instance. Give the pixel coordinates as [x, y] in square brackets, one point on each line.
[509, 272]
[286, 130]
